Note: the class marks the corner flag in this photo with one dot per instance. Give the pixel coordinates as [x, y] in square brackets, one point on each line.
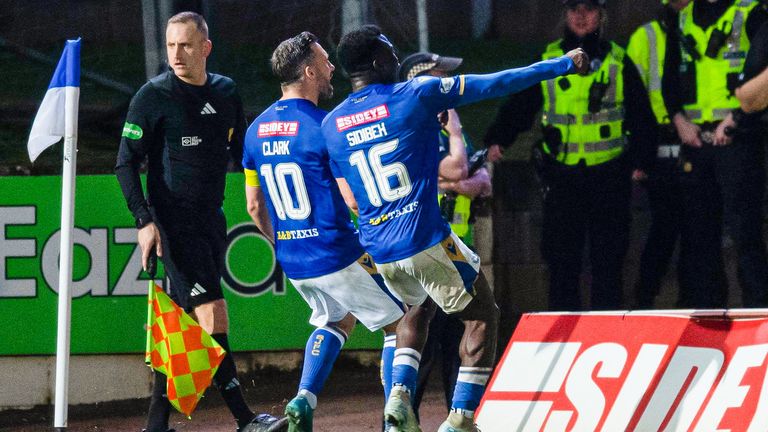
[179, 348]
[57, 119]
[62, 97]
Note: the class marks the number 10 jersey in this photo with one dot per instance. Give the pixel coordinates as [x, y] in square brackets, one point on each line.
[314, 235]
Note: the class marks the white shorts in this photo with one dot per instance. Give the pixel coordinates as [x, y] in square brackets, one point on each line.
[354, 290]
[445, 272]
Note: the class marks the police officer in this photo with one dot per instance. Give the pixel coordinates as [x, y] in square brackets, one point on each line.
[722, 172]
[184, 122]
[753, 93]
[646, 48]
[597, 128]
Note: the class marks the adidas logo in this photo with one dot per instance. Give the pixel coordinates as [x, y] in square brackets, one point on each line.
[232, 384]
[208, 109]
[197, 290]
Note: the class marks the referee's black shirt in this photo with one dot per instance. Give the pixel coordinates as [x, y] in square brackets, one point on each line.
[187, 133]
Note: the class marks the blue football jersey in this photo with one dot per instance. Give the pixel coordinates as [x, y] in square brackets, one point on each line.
[384, 141]
[314, 234]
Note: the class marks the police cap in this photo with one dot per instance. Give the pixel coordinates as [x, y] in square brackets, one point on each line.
[419, 63]
[574, 3]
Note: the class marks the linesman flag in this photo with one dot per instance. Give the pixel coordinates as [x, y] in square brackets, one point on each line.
[179, 348]
[62, 97]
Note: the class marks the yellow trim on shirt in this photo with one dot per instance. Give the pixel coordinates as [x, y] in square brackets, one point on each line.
[461, 85]
[251, 178]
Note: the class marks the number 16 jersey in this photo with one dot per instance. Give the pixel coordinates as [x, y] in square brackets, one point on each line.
[314, 235]
[383, 139]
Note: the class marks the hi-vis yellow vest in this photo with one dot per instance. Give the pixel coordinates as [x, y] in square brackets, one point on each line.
[713, 99]
[566, 107]
[647, 47]
[460, 221]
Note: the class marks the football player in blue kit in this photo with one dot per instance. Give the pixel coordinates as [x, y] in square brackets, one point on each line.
[383, 138]
[293, 197]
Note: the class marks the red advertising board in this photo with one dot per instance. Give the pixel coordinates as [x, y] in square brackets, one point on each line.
[618, 372]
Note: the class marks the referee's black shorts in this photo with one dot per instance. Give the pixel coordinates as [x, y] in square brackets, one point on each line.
[194, 243]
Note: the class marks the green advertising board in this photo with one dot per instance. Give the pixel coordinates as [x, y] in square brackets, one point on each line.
[110, 291]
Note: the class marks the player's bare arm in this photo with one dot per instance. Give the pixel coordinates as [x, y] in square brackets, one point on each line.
[346, 193]
[454, 166]
[477, 185]
[257, 209]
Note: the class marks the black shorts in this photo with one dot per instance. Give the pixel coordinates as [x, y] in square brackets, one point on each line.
[194, 244]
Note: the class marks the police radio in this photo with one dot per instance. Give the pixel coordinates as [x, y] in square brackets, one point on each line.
[596, 93]
[716, 41]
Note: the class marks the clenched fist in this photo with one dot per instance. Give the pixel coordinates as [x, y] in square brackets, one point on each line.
[580, 60]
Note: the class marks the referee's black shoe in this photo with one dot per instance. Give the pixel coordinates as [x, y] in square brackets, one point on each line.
[265, 423]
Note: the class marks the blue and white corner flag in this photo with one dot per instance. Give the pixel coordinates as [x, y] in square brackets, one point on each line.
[60, 100]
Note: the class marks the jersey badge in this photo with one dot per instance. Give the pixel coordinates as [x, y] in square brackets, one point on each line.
[190, 141]
[132, 131]
[446, 84]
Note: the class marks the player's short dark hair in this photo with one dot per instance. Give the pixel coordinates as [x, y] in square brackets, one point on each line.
[357, 49]
[185, 17]
[290, 57]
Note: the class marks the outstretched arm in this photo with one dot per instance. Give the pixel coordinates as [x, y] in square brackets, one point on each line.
[481, 87]
[440, 94]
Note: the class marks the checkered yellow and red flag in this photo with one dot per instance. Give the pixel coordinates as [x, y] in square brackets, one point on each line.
[179, 348]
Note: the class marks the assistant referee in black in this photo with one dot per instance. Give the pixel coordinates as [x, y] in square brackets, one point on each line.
[185, 122]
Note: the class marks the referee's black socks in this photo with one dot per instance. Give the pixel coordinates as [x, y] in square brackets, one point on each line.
[159, 407]
[229, 386]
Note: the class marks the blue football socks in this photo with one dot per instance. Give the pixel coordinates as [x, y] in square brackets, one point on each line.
[405, 368]
[322, 349]
[387, 357]
[470, 386]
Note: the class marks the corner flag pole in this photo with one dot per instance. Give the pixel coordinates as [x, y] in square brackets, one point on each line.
[57, 118]
[71, 102]
[65, 260]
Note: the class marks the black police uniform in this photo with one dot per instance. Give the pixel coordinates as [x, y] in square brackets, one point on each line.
[187, 133]
[597, 203]
[719, 183]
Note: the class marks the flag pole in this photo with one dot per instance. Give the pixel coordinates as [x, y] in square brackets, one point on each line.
[65, 258]
[151, 270]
